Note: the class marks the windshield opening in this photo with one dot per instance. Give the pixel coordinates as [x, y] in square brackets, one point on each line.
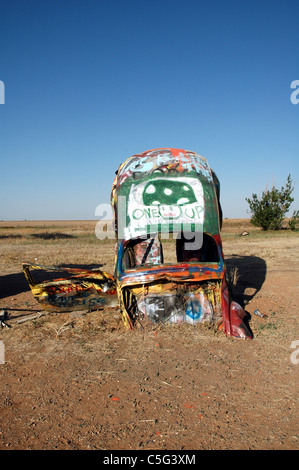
[178, 248]
[189, 249]
[140, 252]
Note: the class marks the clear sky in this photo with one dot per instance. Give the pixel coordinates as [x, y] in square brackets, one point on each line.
[89, 83]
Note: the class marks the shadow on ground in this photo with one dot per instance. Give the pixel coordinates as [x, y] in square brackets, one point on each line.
[251, 272]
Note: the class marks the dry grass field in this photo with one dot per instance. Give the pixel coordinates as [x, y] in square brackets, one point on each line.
[81, 381]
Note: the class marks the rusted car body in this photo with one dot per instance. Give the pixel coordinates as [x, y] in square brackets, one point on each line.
[71, 288]
[161, 199]
[162, 192]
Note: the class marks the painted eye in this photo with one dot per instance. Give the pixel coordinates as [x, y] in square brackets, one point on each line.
[185, 188]
[183, 200]
[150, 189]
[167, 191]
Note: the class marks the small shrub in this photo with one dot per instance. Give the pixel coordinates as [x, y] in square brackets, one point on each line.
[294, 221]
[268, 211]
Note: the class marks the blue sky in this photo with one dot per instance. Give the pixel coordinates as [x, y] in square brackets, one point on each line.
[89, 83]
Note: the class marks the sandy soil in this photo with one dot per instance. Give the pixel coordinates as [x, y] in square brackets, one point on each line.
[81, 381]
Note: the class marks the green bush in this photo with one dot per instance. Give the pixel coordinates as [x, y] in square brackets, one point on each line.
[294, 221]
[268, 211]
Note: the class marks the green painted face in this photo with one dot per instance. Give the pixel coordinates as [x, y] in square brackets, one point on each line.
[165, 192]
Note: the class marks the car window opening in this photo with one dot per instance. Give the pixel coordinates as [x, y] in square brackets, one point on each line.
[191, 248]
[185, 247]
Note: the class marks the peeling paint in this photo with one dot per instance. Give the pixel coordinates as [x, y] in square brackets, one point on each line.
[78, 290]
[171, 191]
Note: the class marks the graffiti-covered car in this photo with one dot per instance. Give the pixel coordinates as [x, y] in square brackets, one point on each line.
[162, 199]
[174, 193]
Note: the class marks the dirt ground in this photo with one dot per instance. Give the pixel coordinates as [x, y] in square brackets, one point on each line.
[81, 381]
